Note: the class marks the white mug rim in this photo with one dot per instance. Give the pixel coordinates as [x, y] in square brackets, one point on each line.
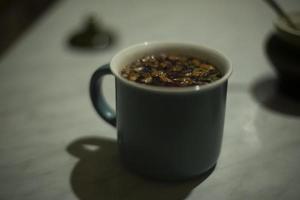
[120, 55]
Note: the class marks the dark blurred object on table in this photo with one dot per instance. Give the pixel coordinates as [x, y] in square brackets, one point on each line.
[91, 36]
[285, 59]
[16, 16]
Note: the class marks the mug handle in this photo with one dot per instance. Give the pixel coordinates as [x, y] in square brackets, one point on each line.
[98, 100]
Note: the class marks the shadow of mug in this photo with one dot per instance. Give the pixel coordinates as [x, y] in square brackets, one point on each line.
[100, 175]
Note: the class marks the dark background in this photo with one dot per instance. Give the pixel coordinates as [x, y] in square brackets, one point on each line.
[16, 16]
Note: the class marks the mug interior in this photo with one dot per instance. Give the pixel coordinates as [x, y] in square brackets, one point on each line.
[130, 54]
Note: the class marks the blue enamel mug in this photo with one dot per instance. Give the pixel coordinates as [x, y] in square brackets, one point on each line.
[169, 133]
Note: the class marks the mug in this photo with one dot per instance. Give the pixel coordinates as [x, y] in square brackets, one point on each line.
[168, 133]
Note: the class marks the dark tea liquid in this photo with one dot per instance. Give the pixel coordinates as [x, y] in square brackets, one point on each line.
[171, 70]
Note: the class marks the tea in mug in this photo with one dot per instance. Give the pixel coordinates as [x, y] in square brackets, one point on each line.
[171, 70]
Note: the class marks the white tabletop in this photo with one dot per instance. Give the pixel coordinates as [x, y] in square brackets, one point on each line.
[54, 146]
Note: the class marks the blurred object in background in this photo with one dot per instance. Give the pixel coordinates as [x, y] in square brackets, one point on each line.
[288, 34]
[283, 49]
[285, 59]
[91, 36]
[16, 16]
[288, 20]
[287, 24]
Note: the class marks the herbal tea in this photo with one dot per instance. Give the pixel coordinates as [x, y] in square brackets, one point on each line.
[171, 70]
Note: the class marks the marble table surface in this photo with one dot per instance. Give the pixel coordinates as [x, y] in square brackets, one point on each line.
[54, 146]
